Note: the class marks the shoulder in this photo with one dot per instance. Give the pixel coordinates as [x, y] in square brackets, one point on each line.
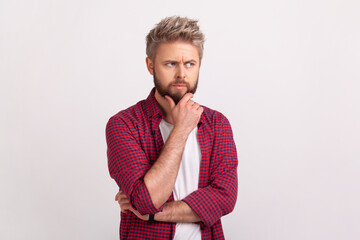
[129, 116]
[213, 117]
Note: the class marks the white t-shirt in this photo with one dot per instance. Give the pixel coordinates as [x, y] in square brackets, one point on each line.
[187, 179]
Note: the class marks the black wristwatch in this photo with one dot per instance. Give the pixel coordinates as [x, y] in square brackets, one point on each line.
[151, 218]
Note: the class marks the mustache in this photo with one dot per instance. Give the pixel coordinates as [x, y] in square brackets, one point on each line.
[180, 82]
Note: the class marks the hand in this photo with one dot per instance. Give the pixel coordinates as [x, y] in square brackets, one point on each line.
[123, 201]
[186, 114]
[125, 206]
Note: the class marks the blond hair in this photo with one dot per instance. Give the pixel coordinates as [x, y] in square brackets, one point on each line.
[172, 29]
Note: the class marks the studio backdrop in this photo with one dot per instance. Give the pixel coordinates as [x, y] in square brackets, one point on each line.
[285, 74]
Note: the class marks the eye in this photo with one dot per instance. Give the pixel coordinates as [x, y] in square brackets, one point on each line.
[170, 64]
[189, 64]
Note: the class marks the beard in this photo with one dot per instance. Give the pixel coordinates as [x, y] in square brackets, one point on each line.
[166, 90]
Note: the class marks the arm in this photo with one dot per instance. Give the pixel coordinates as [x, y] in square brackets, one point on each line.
[175, 211]
[207, 204]
[218, 198]
[128, 164]
[161, 177]
[149, 187]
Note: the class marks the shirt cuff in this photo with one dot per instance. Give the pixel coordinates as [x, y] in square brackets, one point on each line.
[201, 202]
[142, 202]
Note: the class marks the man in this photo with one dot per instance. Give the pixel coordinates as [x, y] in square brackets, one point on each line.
[174, 161]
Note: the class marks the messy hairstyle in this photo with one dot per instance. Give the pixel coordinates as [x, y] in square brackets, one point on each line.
[172, 29]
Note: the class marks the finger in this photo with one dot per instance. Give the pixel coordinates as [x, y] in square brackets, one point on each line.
[125, 210]
[125, 206]
[170, 101]
[119, 200]
[196, 106]
[123, 200]
[200, 109]
[117, 196]
[186, 98]
[122, 195]
[191, 102]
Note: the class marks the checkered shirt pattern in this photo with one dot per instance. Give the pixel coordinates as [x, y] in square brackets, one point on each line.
[134, 143]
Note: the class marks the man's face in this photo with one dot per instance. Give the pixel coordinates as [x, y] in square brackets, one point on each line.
[176, 69]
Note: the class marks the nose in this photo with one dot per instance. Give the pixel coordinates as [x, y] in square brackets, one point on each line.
[180, 74]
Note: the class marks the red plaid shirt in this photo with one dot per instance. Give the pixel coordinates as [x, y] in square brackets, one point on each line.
[134, 143]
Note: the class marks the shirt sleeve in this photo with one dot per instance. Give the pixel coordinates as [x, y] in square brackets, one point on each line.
[219, 197]
[128, 164]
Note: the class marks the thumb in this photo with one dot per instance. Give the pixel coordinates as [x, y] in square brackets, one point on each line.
[170, 101]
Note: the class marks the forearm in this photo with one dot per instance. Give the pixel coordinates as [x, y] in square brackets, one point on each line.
[161, 177]
[177, 211]
[215, 200]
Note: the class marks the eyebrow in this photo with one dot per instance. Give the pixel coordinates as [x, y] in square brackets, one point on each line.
[173, 61]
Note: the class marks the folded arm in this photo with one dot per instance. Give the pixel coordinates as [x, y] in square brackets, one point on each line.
[175, 211]
[218, 198]
[147, 186]
[207, 204]
[128, 164]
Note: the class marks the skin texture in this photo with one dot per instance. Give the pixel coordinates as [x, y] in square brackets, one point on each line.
[176, 66]
[175, 69]
[176, 211]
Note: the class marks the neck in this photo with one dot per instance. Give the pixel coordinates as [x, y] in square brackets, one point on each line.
[164, 107]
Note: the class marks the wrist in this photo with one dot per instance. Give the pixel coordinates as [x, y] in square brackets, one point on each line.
[151, 218]
[181, 132]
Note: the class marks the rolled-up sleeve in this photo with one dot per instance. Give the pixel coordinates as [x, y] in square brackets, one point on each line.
[128, 164]
[219, 197]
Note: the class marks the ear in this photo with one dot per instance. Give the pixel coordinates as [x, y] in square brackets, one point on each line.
[150, 65]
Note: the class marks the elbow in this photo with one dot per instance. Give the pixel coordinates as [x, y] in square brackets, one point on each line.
[157, 194]
[158, 204]
[210, 221]
[141, 201]
[145, 207]
[231, 198]
[228, 209]
[157, 200]
[208, 224]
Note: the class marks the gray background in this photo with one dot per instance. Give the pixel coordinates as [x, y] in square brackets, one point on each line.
[285, 73]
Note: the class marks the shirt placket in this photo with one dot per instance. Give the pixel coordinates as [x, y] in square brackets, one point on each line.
[204, 168]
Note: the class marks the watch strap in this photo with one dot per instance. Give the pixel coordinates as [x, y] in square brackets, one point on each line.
[151, 218]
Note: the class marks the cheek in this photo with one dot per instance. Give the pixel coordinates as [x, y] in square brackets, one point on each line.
[165, 73]
[194, 74]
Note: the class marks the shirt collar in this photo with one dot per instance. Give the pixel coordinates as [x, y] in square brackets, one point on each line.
[152, 108]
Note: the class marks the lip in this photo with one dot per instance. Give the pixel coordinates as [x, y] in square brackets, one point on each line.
[179, 86]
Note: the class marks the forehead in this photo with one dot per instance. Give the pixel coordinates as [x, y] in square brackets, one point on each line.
[177, 50]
